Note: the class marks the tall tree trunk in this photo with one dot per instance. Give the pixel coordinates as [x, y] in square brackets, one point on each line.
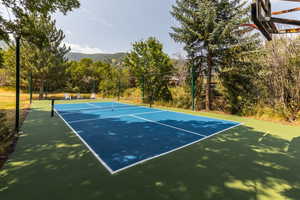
[41, 92]
[208, 81]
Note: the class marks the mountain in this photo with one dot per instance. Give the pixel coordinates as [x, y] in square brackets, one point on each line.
[96, 57]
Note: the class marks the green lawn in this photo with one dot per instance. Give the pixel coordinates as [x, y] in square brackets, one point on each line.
[257, 161]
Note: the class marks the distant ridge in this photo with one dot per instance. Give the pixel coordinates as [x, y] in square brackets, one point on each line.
[96, 57]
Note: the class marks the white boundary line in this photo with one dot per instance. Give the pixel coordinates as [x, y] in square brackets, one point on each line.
[114, 116]
[88, 146]
[174, 127]
[94, 105]
[157, 108]
[150, 158]
[181, 147]
[105, 109]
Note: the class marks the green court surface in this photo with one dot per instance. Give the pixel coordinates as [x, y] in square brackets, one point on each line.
[256, 161]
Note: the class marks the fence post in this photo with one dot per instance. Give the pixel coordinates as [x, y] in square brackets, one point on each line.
[193, 87]
[52, 108]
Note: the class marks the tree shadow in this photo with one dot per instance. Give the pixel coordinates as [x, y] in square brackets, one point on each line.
[242, 163]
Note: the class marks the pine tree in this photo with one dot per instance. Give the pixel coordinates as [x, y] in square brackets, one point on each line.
[43, 52]
[210, 32]
[20, 9]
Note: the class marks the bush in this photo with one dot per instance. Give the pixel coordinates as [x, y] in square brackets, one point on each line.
[132, 93]
[5, 134]
[180, 99]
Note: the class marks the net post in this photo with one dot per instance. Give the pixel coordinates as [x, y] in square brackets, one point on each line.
[52, 107]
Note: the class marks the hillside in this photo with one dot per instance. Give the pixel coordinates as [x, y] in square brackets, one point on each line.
[96, 57]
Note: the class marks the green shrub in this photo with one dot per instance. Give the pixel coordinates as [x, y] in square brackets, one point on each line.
[132, 93]
[5, 134]
[180, 99]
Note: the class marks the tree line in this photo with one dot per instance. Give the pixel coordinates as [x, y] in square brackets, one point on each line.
[41, 40]
[231, 68]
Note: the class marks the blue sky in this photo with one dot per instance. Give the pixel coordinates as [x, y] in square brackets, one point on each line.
[109, 26]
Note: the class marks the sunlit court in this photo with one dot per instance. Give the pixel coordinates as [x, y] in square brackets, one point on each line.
[122, 135]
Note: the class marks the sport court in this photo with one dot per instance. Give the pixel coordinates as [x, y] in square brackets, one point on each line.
[122, 135]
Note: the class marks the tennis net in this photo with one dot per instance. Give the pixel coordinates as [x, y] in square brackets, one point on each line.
[75, 107]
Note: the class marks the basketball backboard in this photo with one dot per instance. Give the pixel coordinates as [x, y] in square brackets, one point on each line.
[263, 10]
[260, 21]
[266, 23]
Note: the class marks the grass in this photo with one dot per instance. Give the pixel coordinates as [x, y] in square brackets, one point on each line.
[259, 160]
[7, 106]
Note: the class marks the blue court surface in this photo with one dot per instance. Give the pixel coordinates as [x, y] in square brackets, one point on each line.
[122, 135]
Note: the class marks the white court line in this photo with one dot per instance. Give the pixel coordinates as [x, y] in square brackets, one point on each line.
[174, 127]
[88, 146]
[181, 147]
[172, 111]
[144, 160]
[108, 109]
[74, 110]
[94, 105]
[114, 116]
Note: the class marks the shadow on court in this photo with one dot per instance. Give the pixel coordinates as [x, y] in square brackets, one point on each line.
[51, 163]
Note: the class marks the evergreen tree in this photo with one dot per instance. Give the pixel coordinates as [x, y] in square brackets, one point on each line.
[210, 32]
[43, 54]
[22, 9]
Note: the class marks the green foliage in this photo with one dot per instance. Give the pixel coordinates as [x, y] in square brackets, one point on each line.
[238, 90]
[1, 59]
[181, 99]
[152, 69]
[22, 9]
[280, 76]
[82, 75]
[43, 55]
[210, 33]
[110, 79]
[41, 6]
[88, 76]
[5, 133]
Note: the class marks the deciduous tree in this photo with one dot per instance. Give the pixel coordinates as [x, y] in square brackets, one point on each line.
[152, 67]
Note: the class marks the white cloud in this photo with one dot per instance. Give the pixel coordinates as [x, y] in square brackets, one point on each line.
[68, 32]
[83, 49]
[98, 20]
[93, 17]
[5, 12]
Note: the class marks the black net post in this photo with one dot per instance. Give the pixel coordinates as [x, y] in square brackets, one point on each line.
[17, 84]
[52, 107]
